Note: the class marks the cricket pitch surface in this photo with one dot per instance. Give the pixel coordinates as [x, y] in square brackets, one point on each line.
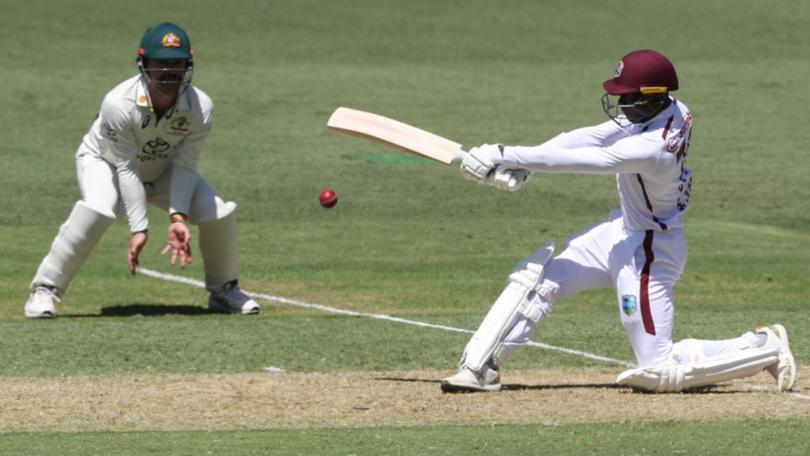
[360, 399]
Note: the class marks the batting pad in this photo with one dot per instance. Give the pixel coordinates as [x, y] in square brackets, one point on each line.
[72, 245]
[677, 377]
[512, 306]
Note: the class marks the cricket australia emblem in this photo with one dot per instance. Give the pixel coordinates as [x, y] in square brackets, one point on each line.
[179, 126]
[629, 306]
[170, 40]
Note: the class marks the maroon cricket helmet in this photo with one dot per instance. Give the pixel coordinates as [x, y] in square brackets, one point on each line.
[642, 69]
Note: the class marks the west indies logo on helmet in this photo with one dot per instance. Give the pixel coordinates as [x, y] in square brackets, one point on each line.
[641, 82]
[619, 69]
[166, 41]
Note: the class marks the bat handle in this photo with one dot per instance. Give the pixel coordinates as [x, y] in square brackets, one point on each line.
[459, 155]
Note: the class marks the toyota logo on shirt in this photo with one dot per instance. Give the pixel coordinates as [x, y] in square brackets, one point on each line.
[154, 150]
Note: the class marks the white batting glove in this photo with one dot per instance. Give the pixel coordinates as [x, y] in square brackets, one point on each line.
[482, 165]
[510, 180]
[480, 161]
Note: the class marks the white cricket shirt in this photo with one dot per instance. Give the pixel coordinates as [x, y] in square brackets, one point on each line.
[648, 159]
[129, 136]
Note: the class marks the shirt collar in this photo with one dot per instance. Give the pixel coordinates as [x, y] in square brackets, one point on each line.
[142, 94]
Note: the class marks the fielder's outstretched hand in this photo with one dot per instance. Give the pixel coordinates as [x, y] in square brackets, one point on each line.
[136, 243]
[178, 243]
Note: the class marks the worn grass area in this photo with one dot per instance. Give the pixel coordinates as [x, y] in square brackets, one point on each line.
[217, 402]
[408, 238]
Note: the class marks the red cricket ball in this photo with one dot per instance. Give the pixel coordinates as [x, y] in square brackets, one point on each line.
[328, 198]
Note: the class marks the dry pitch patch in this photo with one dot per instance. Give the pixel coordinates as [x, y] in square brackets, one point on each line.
[361, 399]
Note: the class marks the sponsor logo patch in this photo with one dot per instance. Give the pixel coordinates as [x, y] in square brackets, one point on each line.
[170, 40]
[154, 150]
[109, 132]
[629, 306]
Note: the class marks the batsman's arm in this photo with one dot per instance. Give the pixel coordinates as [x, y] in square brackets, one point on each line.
[630, 155]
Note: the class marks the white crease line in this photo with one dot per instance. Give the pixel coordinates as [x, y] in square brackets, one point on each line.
[765, 389]
[376, 316]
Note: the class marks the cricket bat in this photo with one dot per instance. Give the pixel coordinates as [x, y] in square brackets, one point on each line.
[395, 134]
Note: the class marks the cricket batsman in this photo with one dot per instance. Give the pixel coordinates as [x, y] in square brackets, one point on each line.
[144, 146]
[640, 251]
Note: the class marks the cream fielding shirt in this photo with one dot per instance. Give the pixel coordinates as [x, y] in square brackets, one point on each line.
[648, 160]
[129, 136]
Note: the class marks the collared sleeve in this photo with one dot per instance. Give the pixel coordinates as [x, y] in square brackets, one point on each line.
[187, 155]
[632, 154]
[118, 146]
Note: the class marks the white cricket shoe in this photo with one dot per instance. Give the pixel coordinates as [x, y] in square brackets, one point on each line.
[470, 381]
[230, 299]
[42, 303]
[785, 371]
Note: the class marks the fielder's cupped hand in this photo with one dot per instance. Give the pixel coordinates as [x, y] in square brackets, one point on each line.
[178, 243]
[136, 243]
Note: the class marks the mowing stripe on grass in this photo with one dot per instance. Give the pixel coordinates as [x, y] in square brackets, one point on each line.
[351, 313]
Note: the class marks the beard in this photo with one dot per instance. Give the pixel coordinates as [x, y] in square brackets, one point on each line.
[166, 82]
[167, 88]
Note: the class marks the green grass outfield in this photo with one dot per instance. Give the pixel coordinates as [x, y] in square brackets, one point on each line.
[408, 237]
[657, 438]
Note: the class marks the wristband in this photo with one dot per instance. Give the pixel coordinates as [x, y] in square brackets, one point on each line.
[178, 217]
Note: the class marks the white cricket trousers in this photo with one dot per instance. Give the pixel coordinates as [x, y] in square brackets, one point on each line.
[214, 217]
[642, 267]
[98, 183]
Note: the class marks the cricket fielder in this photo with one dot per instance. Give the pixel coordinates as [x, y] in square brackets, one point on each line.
[143, 147]
[640, 251]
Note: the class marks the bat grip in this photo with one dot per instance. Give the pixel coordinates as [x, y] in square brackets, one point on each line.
[459, 155]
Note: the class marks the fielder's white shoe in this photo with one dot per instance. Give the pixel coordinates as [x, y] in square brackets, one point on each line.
[785, 371]
[230, 299]
[470, 381]
[42, 303]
